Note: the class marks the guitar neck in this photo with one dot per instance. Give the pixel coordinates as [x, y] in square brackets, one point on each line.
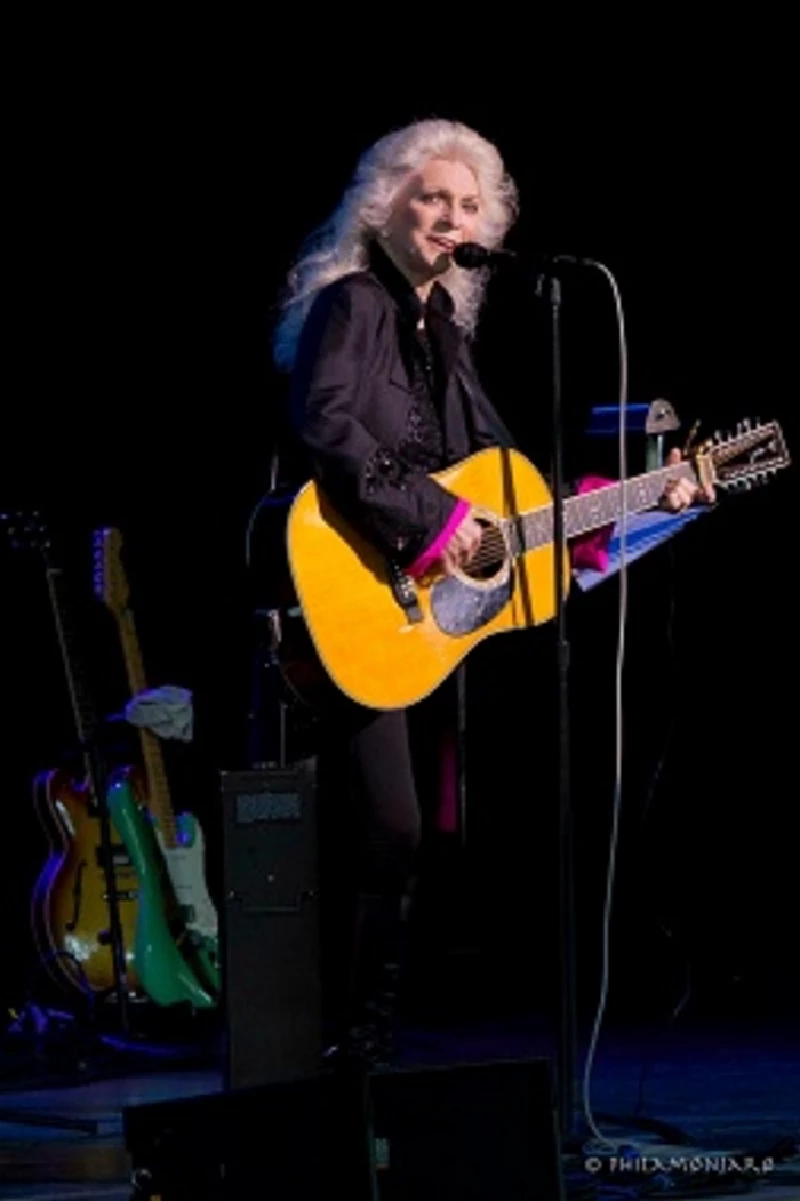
[600, 507]
[83, 710]
[158, 792]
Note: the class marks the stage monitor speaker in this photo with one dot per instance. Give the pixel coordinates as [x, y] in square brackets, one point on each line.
[270, 926]
[464, 1132]
[302, 1140]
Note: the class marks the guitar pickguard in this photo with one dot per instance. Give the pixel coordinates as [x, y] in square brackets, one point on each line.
[459, 606]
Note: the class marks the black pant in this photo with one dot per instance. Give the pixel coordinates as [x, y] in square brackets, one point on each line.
[378, 789]
[379, 778]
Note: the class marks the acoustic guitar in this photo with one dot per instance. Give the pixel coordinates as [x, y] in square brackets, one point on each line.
[70, 910]
[178, 921]
[387, 640]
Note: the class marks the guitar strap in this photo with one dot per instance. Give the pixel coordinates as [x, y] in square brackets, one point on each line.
[475, 405]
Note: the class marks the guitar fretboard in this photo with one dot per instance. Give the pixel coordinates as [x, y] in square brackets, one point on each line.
[158, 792]
[593, 510]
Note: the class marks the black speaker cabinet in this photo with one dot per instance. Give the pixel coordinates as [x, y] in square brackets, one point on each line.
[270, 926]
[304, 1140]
[464, 1132]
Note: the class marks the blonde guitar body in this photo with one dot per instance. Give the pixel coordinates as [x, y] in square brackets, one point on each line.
[372, 650]
[387, 641]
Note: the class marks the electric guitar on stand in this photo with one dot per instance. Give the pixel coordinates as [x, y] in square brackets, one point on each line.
[387, 640]
[84, 903]
[176, 910]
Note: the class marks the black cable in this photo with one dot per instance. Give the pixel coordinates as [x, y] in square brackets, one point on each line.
[84, 979]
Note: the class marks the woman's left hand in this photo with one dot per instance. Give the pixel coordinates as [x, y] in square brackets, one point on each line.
[681, 493]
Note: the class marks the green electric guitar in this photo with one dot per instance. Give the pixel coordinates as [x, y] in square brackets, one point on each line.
[177, 939]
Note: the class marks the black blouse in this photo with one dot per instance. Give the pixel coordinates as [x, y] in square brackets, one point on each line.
[379, 404]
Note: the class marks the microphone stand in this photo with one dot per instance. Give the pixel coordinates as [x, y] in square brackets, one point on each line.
[548, 287]
[572, 1129]
[267, 713]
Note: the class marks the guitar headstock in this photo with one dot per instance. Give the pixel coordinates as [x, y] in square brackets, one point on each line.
[28, 531]
[110, 578]
[751, 456]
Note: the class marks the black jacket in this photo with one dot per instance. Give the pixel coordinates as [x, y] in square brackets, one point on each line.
[360, 406]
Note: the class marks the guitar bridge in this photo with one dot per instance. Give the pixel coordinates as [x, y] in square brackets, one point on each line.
[405, 593]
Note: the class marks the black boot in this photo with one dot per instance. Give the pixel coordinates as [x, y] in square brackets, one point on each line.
[366, 1042]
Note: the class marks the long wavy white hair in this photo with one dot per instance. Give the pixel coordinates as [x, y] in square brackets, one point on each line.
[341, 244]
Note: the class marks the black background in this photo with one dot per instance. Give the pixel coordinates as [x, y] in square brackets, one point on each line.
[158, 201]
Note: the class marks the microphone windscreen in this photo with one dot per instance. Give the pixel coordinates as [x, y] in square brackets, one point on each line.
[470, 255]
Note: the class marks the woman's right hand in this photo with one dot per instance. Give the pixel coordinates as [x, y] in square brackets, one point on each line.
[462, 546]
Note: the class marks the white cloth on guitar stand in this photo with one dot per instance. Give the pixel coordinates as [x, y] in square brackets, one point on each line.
[167, 711]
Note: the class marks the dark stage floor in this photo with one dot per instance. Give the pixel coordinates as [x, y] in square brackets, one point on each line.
[724, 1087]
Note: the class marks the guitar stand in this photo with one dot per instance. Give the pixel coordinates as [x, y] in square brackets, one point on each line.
[100, 786]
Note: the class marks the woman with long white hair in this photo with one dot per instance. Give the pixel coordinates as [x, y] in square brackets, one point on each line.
[375, 328]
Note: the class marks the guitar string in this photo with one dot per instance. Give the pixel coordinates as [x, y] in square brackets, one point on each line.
[493, 549]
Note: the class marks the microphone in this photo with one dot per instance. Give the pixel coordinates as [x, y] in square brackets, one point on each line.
[471, 256]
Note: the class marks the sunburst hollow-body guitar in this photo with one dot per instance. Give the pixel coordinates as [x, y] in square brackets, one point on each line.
[71, 903]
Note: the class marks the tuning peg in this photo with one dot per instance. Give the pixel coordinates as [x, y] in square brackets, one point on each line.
[746, 425]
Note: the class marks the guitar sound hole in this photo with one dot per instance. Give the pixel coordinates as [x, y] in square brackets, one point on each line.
[491, 555]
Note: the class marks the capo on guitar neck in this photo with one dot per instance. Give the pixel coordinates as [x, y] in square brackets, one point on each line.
[699, 456]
